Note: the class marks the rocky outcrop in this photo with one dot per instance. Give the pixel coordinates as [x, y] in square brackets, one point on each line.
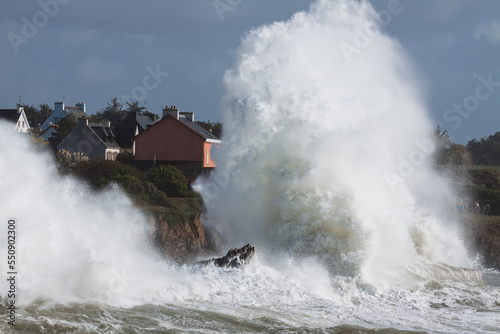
[177, 229]
[234, 258]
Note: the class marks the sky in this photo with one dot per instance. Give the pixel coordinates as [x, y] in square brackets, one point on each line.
[166, 52]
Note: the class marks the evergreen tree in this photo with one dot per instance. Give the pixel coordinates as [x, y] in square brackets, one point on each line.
[36, 116]
[134, 107]
[485, 151]
[45, 112]
[114, 112]
[65, 126]
[215, 128]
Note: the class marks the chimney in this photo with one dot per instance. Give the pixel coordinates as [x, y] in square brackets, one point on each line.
[189, 115]
[171, 111]
[81, 105]
[58, 106]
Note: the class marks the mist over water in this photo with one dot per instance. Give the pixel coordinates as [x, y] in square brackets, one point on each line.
[325, 167]
[72, 243]
[328, 155]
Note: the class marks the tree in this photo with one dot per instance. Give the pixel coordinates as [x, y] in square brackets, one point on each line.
[36, 116]
[45, 111]
[65, 126]
[452, 160]
[442, 138]
[215, 128]
[134, 107]
[485, 151]
[170, 180]
[114, 112]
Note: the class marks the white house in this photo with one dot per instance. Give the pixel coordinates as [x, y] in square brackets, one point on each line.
[16, 116]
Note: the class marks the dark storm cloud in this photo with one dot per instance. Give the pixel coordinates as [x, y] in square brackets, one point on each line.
[96, 50]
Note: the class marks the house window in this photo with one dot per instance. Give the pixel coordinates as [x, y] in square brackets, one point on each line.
[208, 157]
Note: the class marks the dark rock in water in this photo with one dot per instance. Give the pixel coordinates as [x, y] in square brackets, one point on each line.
[234, 258]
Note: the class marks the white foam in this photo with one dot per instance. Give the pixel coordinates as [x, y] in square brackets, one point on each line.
[311, 160]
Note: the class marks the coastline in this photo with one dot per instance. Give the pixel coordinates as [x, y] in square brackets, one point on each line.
[178, 232]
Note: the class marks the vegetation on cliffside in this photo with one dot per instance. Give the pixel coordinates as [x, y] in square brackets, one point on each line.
[474, 170]
[146, 189]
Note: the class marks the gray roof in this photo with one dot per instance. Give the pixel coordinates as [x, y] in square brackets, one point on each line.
[76, 111]
[144, 122]
[206, 134]
[10, 115]
[105, 133]
[125, 131]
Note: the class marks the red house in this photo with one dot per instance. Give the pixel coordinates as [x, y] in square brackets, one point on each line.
[176, 140]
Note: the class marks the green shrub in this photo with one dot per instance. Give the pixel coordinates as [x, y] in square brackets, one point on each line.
[485, 184]
[125, 158]
[487, 177]
[100, 173]
[151, 195]
[170, 180]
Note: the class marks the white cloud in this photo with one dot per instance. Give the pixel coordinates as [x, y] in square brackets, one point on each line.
[489, 31]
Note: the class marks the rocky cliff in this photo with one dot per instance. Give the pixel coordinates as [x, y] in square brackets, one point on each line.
[177, 229]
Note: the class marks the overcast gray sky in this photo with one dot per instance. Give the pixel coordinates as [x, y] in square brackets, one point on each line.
[176, 52]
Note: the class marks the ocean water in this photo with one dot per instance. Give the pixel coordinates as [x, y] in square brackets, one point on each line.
[325, 168]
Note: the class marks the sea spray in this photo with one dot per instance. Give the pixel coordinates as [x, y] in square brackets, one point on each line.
[75, 244]
[331, 158]
[301, 171]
